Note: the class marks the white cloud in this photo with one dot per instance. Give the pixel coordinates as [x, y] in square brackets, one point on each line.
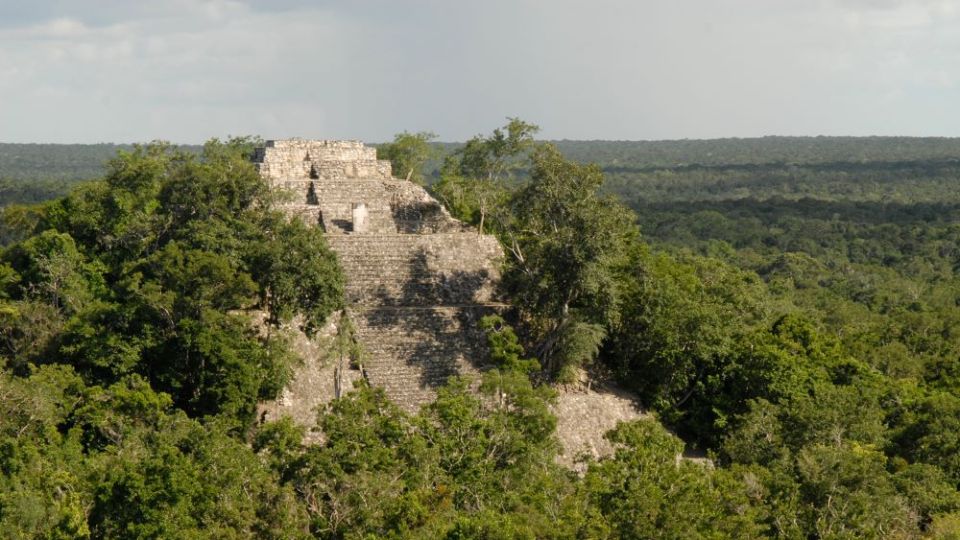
[186, 70]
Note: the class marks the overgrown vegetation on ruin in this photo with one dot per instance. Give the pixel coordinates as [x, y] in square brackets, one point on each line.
[809, 343]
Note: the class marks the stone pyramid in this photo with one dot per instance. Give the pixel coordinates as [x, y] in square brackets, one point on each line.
[418, 280]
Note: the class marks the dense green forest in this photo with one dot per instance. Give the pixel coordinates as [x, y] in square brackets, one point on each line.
[56, 161]
[33, 173]
[788, 305]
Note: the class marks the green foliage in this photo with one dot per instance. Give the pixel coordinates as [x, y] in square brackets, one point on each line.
[505, 348]
[345, 351]
[494, 157]
[42, 491]
[930, 433]
[474, 179]
[647, 491]
[18, 222]
[463, 467]
[149, 270]
[409, 153]
[366, 479]
[810, 343]
[794, 315]
[193, 481]
[685, 336]
[567, 245]
[82, 462]
[298, 274]
[783, 152]
[52, 270]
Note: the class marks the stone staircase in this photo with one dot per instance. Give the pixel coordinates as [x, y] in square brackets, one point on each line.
[418, 281]
[412, 350]
[417, 269]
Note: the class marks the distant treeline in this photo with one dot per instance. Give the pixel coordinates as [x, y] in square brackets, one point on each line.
[86, 161]
[895, 181]
[32, 173]
[784, 150]
[69, 162]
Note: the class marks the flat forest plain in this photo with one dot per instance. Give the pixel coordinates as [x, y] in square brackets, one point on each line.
[795, 312]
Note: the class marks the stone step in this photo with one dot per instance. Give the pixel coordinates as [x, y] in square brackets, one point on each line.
[412, 351]
[402, 269]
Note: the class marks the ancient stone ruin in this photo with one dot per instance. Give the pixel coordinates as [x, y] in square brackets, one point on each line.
[418, 280]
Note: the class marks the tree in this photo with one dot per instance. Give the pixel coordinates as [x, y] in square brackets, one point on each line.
[52, 269]
[43, 490]
[166, 476]
[473, 179]
[82, 461]
[686, 339]
[298, 274]
[646, 491]
[408, 153]
[567, 246]
[931, 433]
[466, 465]
[345, 350]
[151, 270]
[372, 474]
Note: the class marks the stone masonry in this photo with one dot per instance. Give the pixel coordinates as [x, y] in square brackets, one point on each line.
[418, 280]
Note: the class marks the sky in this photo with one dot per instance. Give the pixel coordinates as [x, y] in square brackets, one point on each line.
[92, 71]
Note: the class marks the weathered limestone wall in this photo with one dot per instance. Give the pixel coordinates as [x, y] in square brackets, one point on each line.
[315, 380]
[393, 206]
[418, 280]
[327, 159]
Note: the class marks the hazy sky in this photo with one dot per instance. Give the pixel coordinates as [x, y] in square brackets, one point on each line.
[186, 70]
